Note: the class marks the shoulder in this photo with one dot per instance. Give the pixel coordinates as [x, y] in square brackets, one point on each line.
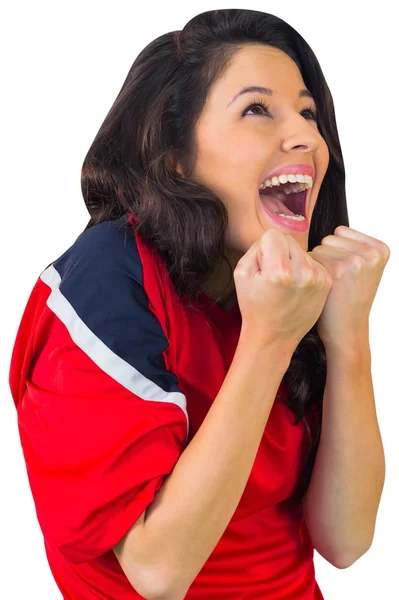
[103, 265]
[101, 249]
[100, 279]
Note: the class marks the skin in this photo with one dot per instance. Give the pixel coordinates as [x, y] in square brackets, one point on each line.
[234, 150]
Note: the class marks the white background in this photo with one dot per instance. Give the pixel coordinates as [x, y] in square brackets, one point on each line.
[63, 63]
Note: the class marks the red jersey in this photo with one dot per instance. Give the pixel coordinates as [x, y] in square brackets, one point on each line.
[112, 375]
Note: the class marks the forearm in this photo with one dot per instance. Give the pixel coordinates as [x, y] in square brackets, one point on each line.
[345, 489]
[196, 502]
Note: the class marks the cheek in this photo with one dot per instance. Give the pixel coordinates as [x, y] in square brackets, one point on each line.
[229, 163]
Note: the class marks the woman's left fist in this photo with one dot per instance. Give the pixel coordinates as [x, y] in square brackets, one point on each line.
[356, 263]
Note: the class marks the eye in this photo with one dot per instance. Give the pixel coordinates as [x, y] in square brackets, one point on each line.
[309, 109]
[259, 102]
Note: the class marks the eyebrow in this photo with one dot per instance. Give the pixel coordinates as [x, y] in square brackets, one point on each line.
[305, 93]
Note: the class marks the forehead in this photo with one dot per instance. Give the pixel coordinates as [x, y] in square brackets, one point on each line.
[259, 64]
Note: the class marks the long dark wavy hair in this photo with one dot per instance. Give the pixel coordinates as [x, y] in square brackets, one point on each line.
[129, 168]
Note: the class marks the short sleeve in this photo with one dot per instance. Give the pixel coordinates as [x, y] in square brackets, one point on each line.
[102, 420]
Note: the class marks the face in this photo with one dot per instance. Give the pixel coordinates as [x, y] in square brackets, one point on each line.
[238, 144]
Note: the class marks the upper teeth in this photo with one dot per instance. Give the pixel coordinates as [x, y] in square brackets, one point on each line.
[305, 180]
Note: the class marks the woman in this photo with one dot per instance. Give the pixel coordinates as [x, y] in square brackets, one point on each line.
[170, 367]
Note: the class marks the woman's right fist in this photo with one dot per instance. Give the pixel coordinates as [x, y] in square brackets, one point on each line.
[281, 290]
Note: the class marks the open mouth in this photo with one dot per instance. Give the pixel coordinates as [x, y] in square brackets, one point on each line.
[278, 202]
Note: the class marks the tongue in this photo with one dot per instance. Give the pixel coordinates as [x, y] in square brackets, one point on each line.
[274, 204]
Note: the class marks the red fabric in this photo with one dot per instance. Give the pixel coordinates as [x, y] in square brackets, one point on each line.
[96, 452]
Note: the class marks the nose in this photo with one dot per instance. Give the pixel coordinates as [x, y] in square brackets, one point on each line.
[302, 137]
[301, 141]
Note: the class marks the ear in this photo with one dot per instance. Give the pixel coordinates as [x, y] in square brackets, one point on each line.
[173, 164]
[179, 170]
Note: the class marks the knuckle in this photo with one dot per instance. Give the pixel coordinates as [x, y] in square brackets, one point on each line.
[307, 274]
[356, 262]
[327, 237]
[324, 277]
[328, 280]
[375, 255]
[281, 275]
[385, 251]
